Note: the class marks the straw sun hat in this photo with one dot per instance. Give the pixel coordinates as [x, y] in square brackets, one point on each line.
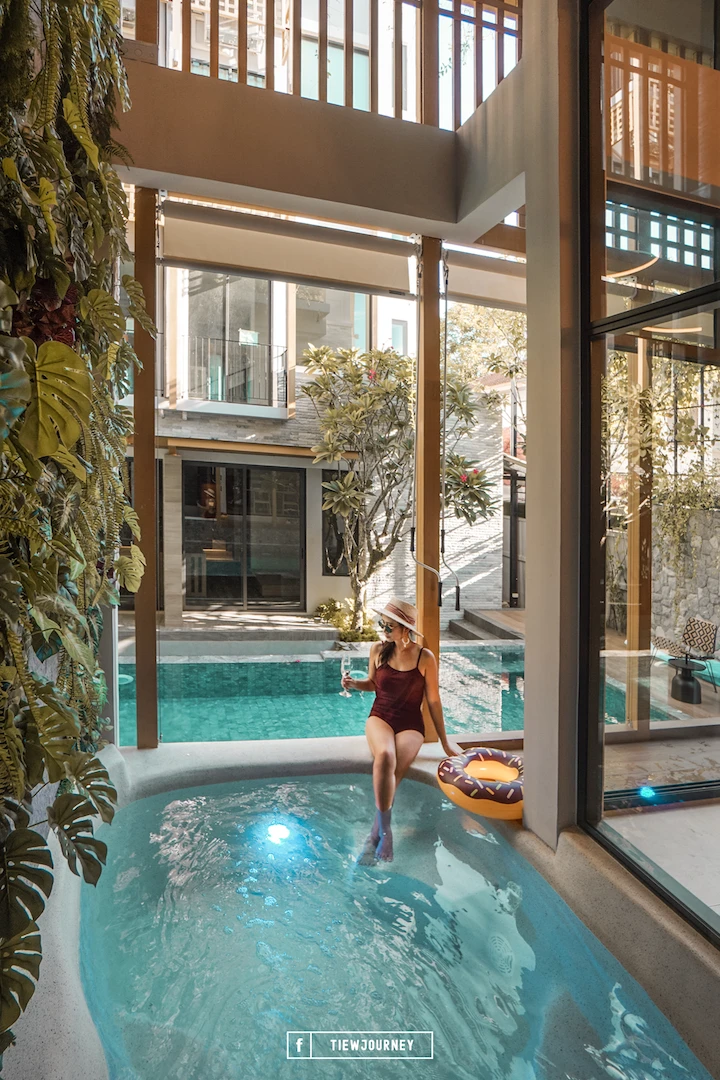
[400, 612]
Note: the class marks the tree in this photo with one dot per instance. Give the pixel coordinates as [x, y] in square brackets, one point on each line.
[64, 358]
[364, 403]
[484, 342]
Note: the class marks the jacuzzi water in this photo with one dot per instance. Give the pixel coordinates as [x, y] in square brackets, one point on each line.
[482, 690]
[232, 914]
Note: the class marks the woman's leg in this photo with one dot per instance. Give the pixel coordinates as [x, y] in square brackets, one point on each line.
[381, 740]
[407, 747]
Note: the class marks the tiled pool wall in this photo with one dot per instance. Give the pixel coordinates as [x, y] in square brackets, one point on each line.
[226, 697]
[285, 697]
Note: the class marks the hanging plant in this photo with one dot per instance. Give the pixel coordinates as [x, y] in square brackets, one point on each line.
[64, 360]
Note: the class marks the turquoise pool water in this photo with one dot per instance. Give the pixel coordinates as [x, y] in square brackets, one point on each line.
[230, 915]
[482, 691]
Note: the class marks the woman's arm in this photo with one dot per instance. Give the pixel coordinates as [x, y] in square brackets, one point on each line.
[429, 668]
[363, 684]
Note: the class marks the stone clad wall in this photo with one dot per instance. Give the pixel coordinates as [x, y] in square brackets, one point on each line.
[698, 595]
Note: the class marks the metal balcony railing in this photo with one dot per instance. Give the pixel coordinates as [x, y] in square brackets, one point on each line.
[217, 369]
[365, 54]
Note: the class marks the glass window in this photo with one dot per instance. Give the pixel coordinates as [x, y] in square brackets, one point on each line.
[659, 95]
[400, 336]
[658, 580]
[218, 336]
[330, 317]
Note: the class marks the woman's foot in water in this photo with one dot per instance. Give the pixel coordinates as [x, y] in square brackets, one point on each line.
[384, 851]
[367, 855]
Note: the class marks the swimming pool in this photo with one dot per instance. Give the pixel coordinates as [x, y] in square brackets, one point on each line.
[232, 914]
[482, 691]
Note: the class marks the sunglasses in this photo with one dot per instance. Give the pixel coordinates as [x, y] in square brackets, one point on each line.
[386, 627]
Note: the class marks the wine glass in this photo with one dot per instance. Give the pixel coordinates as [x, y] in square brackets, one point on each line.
[345, 664]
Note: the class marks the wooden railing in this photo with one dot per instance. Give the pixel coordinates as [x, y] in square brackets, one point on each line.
[365, 54]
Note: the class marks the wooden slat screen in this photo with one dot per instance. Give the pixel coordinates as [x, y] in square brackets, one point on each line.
[349, 52]
[373, 56]
[296, 30]
[186, 35]
[322, 49]
[242, 41]
[420, 82]
[398, 58]
[214, 39]
[269, 44]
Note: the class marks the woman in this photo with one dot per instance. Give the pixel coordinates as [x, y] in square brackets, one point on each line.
[401, 673]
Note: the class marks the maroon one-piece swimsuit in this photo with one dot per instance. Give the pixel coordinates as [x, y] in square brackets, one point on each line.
[398, 697]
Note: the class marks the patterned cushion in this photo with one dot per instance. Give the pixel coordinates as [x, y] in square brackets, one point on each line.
[700, 636]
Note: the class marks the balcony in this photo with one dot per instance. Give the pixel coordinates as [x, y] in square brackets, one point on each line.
[216, 375]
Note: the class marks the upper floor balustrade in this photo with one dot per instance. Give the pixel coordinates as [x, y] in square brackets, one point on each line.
[364, 54]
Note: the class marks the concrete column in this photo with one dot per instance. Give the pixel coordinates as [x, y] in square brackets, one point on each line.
[173, 562]
[108, 660]
[552, 623]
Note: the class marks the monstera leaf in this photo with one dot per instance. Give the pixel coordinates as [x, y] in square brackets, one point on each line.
[67, 816]
[60, 386]
[57, 734]
[92, 780]
[20, 958]
[25, 880]
[129, 569]
[14, 382]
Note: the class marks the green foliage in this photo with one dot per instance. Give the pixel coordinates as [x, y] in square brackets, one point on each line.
[655, 445]
[340, 615]
[64, 358]
[365, 403]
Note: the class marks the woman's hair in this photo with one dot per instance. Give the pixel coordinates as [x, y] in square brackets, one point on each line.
[387, 649]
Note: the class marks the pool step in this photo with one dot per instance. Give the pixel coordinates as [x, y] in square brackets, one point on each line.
[483, 625]
[463, 628]
[493, 625]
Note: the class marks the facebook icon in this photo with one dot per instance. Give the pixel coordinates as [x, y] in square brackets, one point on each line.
[299, 1044]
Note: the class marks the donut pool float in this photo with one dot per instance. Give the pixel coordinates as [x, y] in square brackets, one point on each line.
[484, 781]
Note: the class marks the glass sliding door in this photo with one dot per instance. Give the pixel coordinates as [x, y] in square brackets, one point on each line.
[243, 536]
[213, 534]
[275, 529]
[650, 700]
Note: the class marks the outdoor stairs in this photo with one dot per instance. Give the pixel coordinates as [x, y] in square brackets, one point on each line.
[482, 625]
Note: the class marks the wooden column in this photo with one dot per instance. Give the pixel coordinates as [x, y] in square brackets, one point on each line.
[146, 21]
[639, 541]
[427, 464]
[429, 79]
[144, 475]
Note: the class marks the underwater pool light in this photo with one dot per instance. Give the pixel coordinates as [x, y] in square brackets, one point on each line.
[647, 792]
[278, 833]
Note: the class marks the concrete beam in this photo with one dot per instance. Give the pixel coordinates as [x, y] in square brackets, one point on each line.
[490, 153]
[243, 144]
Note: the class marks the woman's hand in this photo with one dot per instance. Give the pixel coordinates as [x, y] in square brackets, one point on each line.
[452, 749]
[347, 682]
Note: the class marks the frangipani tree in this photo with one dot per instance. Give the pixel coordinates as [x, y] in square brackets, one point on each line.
[365, 403]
